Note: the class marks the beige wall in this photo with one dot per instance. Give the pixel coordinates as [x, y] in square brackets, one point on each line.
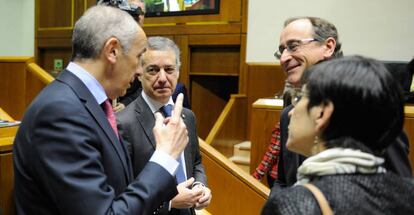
[383, 29]
[17, 27]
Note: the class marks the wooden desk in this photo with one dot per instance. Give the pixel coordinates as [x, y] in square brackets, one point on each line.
[409, 129]
[265, 115]
[7, 135]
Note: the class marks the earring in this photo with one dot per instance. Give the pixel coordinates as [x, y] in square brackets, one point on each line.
[316, 140]
[317, 147]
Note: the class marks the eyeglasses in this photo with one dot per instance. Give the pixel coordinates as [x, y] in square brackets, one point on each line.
[292, 46]
[296, 96]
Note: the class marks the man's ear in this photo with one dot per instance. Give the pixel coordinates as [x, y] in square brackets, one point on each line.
[111, 50]
[324, 113]
[330, 45]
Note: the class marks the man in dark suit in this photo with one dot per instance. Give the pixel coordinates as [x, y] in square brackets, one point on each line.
[160, 75]
[68, 158]
[305, 41]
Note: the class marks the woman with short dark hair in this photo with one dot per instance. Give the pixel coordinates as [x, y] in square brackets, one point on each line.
[344, 118]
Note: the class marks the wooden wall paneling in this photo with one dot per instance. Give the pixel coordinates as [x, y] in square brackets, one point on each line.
[55, 14]
[234, 127]
[6, 181]
[6, 166]
[243, 66]
[205, 103]
[214, 69]
[263, 81]
[409, 129]
[90, 3]
[47, 56]
[262, 123]
[215, 40]
[54, 24]
[234, 191]
[193, 29]
[80, 6]
[33, 86]
[219, 60]
[245, 15]
[12, 88]
[182, 43]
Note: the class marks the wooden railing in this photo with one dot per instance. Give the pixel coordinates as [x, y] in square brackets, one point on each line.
[21, 80]
[230, 127]
[234, 191]
[39, 73]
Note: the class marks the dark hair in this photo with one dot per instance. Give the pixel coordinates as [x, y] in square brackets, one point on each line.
[322, 31]
[368, 102]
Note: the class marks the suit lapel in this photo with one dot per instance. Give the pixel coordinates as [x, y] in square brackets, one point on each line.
[146, 119]
[187, 150]
[97, 113]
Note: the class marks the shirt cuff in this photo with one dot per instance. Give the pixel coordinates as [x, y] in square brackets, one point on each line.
[165, 160]
[169, 205]
[198, 183]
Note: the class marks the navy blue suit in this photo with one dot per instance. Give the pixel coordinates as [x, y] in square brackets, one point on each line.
[68, 160]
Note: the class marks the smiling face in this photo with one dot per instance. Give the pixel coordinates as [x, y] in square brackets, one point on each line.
[160, 74]
[307, 54]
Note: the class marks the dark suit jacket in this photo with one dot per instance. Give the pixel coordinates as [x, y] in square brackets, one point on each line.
[132, 93]
[396, 155]
[68, 160]
[135, 125]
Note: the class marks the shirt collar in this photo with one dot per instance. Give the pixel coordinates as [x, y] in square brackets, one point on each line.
[153, 104]
[90, 82]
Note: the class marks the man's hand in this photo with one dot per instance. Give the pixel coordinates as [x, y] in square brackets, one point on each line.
[186, 198]
[172, 137]
[205, 200]
[119, 106]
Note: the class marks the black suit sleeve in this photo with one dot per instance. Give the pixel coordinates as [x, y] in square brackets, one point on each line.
[198, 168]
[132, 93]
[69, 157]
[396, 157]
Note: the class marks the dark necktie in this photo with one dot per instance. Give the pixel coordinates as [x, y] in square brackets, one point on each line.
[166, 110]
[180, 176]
[109, 113]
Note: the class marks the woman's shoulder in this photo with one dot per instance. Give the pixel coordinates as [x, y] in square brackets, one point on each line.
[291, 200]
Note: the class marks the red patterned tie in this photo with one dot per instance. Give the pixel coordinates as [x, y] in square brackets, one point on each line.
[109, 113]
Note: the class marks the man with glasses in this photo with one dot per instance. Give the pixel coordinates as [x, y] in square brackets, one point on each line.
[161, 64]
[305, 41]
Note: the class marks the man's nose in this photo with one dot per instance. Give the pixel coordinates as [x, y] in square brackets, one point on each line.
[285, 56]
[162, 76]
